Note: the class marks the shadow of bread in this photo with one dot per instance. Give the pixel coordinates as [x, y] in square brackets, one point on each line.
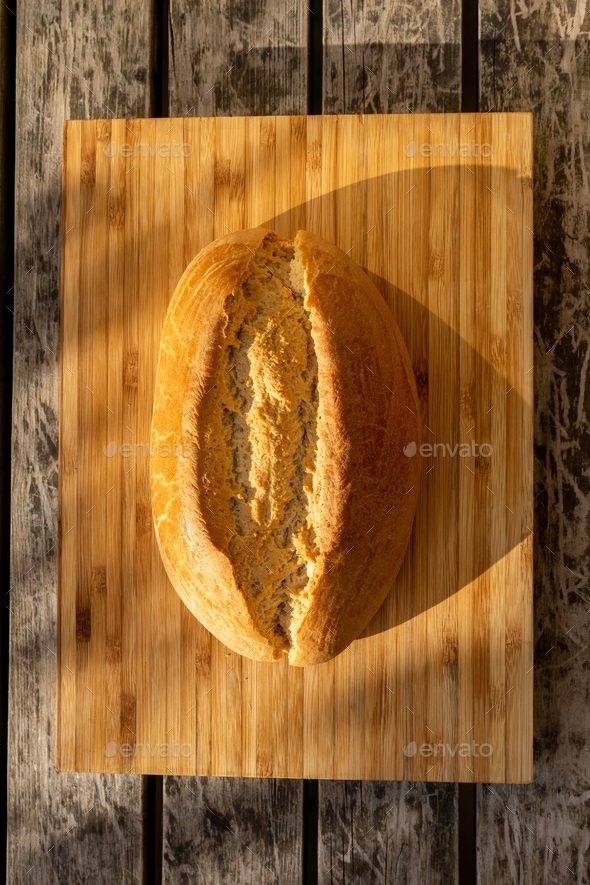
[461, 374]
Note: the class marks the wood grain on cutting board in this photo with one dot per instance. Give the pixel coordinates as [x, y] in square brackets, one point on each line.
[437, 209]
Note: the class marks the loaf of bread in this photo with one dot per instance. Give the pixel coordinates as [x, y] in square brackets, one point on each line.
[287, 388]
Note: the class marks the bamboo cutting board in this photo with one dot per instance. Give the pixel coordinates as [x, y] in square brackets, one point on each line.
[438, 210]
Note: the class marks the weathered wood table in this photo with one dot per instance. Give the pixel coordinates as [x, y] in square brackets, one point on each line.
[136, 59]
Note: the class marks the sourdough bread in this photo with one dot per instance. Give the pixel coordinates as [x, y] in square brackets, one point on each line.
[286, 384]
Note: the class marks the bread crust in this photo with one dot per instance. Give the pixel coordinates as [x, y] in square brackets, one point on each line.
[368, 488]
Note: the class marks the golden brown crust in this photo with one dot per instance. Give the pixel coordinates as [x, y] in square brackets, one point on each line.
[366, 489]
[364, 358]
[200, 573]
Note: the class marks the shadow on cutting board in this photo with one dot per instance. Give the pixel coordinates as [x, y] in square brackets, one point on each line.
[477, 427]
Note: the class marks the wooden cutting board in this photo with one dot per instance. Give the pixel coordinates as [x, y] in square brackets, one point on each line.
[438, 210]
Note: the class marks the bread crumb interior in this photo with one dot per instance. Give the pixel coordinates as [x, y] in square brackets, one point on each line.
[262, 441]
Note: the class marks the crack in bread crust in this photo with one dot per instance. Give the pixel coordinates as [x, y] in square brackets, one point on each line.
[261, 441]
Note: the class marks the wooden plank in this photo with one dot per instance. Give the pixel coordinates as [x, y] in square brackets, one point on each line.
[391, 58]
[237, 58]
[403, 58]
[370, 832]
[539, 833]
[7, 85]
[342, 710]
[71, 62]
[232, 830]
